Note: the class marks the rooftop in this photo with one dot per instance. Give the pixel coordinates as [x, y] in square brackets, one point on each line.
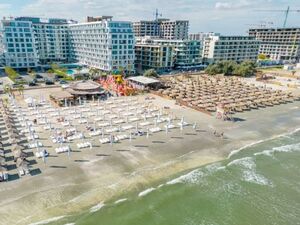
[144, 80]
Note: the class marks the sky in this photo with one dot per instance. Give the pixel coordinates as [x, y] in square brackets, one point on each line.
[221, 16]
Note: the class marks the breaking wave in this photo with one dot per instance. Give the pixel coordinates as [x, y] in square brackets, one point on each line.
[97, 207]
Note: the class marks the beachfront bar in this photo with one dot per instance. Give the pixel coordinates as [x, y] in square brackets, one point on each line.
[142, 83]
[79, 90]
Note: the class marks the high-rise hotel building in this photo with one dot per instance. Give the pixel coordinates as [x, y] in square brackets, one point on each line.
[104, 44]
[18, 44]
[163, 54]
[27, 42]
[51, 38]
[236, 48]
[278, 43]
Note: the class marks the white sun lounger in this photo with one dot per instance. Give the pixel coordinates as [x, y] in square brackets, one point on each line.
[127, 127]
[70, 130]
[91, 114]
[170, 126]
[155, 129]
[143, 124]
[121, 137]
[58, 139]
[65, 124]
[82, 121]
[111, 130]
[74, 137]
[54, 114]
[118, 121]
[127, 114]
[35, 145]
[150, 116]
[104, 140]
[36, 136]
[47, 127]
[42, 122]
[103, 124]
[134, 119]
[62, 149]
[104, 112]
[112, 116]
[95, 133]
[84, 145]
[184, 124]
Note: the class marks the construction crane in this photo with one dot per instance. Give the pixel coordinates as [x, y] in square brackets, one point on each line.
[157, 14]
[286, 13]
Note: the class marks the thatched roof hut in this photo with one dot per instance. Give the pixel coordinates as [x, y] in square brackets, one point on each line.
[85, 87]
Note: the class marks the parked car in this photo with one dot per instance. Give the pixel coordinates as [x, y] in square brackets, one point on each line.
[63, 82]
[57, 77]
[32, 83]
[49, 82]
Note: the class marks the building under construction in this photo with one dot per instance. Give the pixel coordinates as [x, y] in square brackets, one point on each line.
[282, 44]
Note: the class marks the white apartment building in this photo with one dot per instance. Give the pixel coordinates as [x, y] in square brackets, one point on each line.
[105, 44]
[235, 48]
[51, 38]
[178, 29]
[202, 35]
[18, 45]
[278, 43]
[149, 55]
[180, 54]
[162, 28]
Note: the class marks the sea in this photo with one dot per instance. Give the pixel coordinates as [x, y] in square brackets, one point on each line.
[258, 185]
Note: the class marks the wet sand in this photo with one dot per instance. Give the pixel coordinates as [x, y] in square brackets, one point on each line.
[67, 185]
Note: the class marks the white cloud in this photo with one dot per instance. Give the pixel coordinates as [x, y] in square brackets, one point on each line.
[233, 4]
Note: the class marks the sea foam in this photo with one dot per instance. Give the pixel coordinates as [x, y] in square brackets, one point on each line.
[191, 177]
[284, 148]
[234, 152]
[120, 200]
[147, 191]
[249, 173]
[97, 207]
[50, 220]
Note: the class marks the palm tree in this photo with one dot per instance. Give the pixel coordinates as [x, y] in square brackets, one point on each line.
[7, 89]
[21, 90]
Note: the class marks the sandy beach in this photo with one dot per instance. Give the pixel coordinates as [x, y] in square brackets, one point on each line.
[67, 185]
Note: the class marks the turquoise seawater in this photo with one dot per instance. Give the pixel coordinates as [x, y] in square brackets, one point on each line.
[259, 185]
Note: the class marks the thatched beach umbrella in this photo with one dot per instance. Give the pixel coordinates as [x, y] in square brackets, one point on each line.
[16, 148]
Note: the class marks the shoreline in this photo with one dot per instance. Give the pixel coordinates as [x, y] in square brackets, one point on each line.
[151, 186]
[134, 167]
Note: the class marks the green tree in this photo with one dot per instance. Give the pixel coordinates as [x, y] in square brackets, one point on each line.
[7, 89]
[245, 69]
[150, 73]
[214, 69]
[54, 66]
[21, 89]
[11, 73]
[228, 67]
[262, 57]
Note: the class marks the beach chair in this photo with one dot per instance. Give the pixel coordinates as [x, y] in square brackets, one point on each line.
[155, 129]
[104, 140]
